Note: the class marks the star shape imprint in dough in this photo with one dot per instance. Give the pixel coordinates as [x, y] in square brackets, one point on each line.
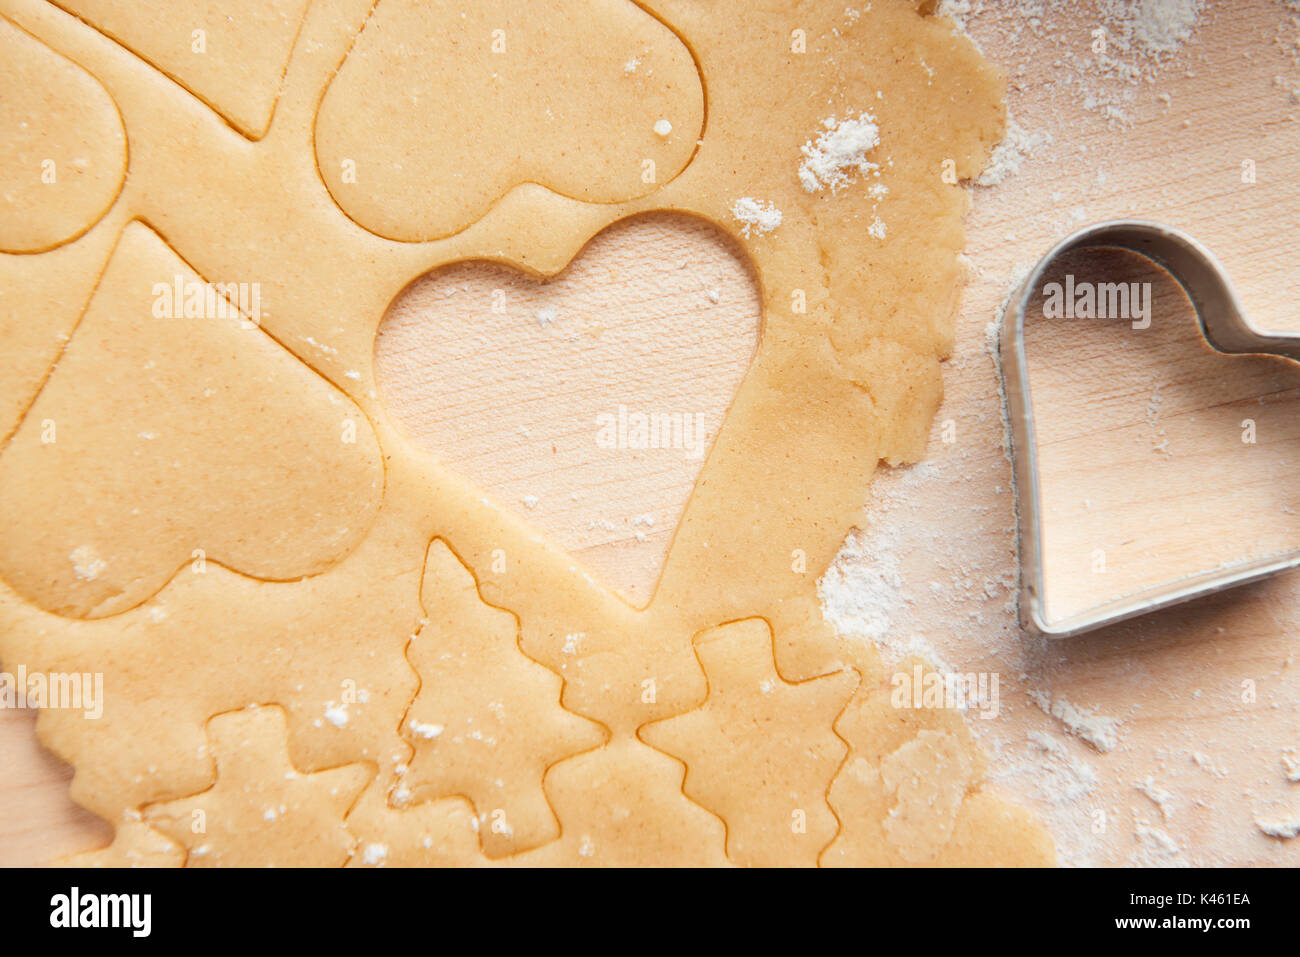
[760, 752]
[262, 812]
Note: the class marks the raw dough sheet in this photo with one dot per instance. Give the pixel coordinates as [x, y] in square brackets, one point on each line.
[320, 643]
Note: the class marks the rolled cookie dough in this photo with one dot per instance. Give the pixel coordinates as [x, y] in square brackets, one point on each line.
[446, 686]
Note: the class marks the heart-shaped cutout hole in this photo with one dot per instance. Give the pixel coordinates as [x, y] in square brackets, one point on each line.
[1159, 458]
[587, 402]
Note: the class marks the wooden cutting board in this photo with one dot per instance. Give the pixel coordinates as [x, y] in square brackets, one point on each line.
[1206, 697]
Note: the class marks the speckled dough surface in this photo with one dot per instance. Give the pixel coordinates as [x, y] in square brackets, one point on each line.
[321, 647]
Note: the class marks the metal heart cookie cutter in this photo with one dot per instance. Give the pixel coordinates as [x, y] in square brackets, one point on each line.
[1223, 326]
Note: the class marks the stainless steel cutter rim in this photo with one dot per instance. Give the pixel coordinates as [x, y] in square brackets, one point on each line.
[1223, 325]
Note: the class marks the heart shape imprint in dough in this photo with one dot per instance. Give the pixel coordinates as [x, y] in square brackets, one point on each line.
[64, 156]
[586, 403]
[1159, 458]
[440, 109]
[169, 426]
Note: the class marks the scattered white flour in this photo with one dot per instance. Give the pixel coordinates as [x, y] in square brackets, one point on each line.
[839, 151]
[375, 854]
[663, 128]
[861, 591]
[1100, 732]
[1283, 828]
[1066, 778]
[336, 714]
[1008, 155]
[1154, 404]
[956, 10]
[1162, 799]
[1206, 764]
[1287, 42]
[754, 214]
[877, 229]
[1102, 54]
[87, 563]
[545, 318]
[530, 501]
[1140, 37]
[1158, 27]
[328, 350]
[993, 349]
[1291, 756]
[425, 730]
[1155, 847]
[1062, 785]
[631, 65]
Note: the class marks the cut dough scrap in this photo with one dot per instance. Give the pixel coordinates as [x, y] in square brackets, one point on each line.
[928, 777]
[64, 156]
[258, 795]
[908, 795]
[760, 752]
[231, 55]
[202, 423]
[565, 93]
[490, 743]
[622, 806]
[991, 831]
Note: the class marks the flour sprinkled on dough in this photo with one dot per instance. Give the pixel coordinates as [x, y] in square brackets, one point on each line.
[1016, 146]
[425, 730]
[839, 151]
[336, 714]
[755, 215]
[87, 563]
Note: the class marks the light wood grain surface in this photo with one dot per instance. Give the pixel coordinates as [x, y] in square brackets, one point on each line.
[1206, 697]
[1158, 458]
[658, 317]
